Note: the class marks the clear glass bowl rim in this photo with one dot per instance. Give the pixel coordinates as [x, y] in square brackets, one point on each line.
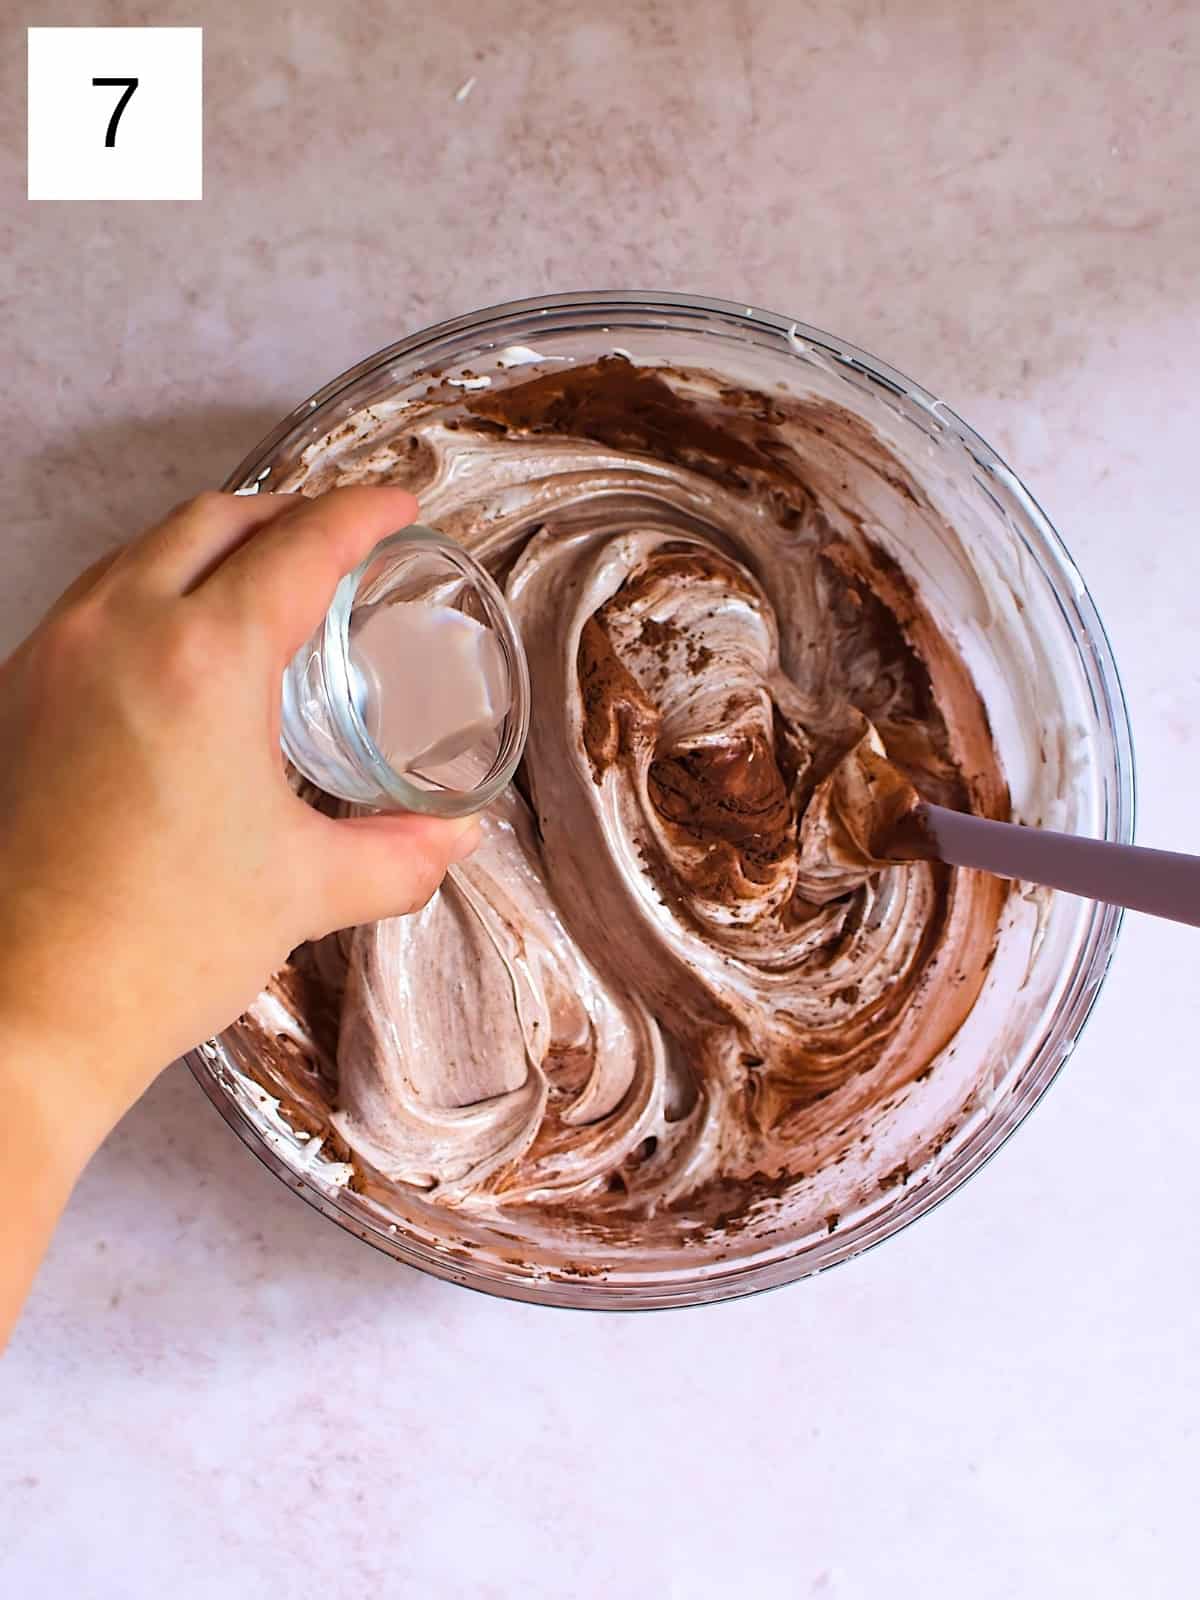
[516, 322]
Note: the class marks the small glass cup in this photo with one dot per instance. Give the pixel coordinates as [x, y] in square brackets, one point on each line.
[413, 693]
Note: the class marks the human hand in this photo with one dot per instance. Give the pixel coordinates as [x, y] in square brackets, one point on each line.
[155, 867]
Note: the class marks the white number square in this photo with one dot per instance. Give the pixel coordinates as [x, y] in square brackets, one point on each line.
[135, 135]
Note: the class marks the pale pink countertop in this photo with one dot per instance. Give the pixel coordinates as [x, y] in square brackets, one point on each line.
[213, 1392]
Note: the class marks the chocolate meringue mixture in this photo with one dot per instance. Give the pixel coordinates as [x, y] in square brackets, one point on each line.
[676, 980]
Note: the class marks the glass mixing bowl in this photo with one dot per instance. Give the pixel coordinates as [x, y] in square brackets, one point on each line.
[1040, 659]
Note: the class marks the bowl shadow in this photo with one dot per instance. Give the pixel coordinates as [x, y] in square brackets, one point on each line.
[177, 1238]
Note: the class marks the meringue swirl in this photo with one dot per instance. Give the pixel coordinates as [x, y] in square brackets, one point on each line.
[677, 974]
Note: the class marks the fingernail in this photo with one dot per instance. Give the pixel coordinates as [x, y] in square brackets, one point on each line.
[468, 840]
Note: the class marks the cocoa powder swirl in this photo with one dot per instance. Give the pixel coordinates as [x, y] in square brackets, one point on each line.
[678, 974]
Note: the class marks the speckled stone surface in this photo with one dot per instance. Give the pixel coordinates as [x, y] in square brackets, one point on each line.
[215, 1393]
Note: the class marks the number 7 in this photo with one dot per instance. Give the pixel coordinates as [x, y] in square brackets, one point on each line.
[129, 85]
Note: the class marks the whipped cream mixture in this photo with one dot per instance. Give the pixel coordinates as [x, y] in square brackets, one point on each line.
[675, 981]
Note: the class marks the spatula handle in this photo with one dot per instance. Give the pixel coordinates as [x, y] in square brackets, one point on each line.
[1156, 881]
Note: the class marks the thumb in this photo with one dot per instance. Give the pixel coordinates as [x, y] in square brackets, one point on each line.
[386, 866]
